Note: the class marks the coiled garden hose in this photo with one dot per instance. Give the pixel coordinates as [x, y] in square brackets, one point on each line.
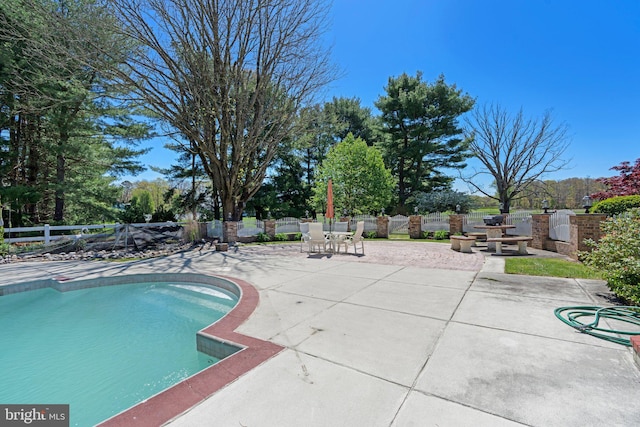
[628, 314]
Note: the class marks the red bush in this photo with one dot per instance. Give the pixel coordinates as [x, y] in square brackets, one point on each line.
[625, 184]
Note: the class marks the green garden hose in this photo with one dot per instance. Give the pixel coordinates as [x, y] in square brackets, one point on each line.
[628, 314]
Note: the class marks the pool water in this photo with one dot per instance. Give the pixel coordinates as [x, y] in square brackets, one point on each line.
[103, 349]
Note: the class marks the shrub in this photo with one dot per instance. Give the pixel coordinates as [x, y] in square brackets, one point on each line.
[280, 237]
[5, 248]
[263, 237]
[441, 235]
[371, 234]
[297, 236]
[617, 255]
[163, 215]
[616, 205]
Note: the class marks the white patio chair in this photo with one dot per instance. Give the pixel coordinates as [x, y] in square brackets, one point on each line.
[354, 240]
[304, 229]
[317, 237]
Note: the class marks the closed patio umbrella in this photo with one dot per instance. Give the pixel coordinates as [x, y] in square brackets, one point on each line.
[330, 213]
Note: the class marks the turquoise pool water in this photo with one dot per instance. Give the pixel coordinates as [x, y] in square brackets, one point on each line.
[103, 349]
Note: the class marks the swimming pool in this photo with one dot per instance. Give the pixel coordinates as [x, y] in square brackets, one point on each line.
[103, 349]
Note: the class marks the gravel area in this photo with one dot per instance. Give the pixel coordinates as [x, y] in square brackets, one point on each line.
[414, 254]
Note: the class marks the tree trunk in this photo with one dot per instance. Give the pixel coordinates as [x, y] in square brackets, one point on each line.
[58, 214]
[401, 185]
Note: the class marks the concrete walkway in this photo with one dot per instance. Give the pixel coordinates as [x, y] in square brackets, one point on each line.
[376, 344]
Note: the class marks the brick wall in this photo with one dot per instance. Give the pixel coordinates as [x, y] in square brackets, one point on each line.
[415, 227]
[230, 231]
[455, 224]
[383, 227]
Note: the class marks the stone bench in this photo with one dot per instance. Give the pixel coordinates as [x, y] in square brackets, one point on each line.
[478, 236]
[520, 240]
[462, 243]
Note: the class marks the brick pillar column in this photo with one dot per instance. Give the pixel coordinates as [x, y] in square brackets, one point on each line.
[415, 227]
[456, 224]
[539, 230]
[230, 232]
[583, 227]
[382, 231]
[270, 228]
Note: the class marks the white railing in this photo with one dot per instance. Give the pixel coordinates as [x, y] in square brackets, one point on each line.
[470, 220]
[559, 228]
[288, 225]
[250, 227]
[214, 229]
[523, 222]
[435, 221]
[370, 222]
[399, 224]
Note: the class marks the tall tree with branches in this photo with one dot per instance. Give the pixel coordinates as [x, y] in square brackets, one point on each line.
[423, 137]
[515, 151]
[65, 127]
[229, 75]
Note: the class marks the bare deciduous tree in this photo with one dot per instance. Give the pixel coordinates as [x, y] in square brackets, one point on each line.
[515, 151]
[229, 75]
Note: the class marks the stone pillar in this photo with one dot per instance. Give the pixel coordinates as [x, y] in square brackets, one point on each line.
[230, 232]
[539, 230]
[382, 231]
[456, 224]
[583, 227]
[415, 227]
[270, 228]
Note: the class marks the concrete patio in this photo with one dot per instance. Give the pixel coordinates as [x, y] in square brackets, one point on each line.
[372, 342]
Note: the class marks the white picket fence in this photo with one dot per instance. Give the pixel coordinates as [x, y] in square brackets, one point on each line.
[214, 228]
[523, 222]
[288, 225]
[250, 227]
[435, 221]
[472, 219]
[399, 224]
[370, 222]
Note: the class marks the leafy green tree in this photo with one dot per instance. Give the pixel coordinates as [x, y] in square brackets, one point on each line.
[440, 201]
[285, 192]
[143, 199]
[420, 121]
[349, 117]
[361, 182]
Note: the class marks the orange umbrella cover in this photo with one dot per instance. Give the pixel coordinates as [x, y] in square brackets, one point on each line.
[330, 199]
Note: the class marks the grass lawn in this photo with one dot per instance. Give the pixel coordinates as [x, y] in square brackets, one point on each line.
[553, 267]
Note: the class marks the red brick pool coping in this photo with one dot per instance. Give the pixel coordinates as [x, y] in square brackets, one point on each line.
[635, 343]
[172, 402]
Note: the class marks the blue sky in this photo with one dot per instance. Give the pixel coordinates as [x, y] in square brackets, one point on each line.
[581, 59]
